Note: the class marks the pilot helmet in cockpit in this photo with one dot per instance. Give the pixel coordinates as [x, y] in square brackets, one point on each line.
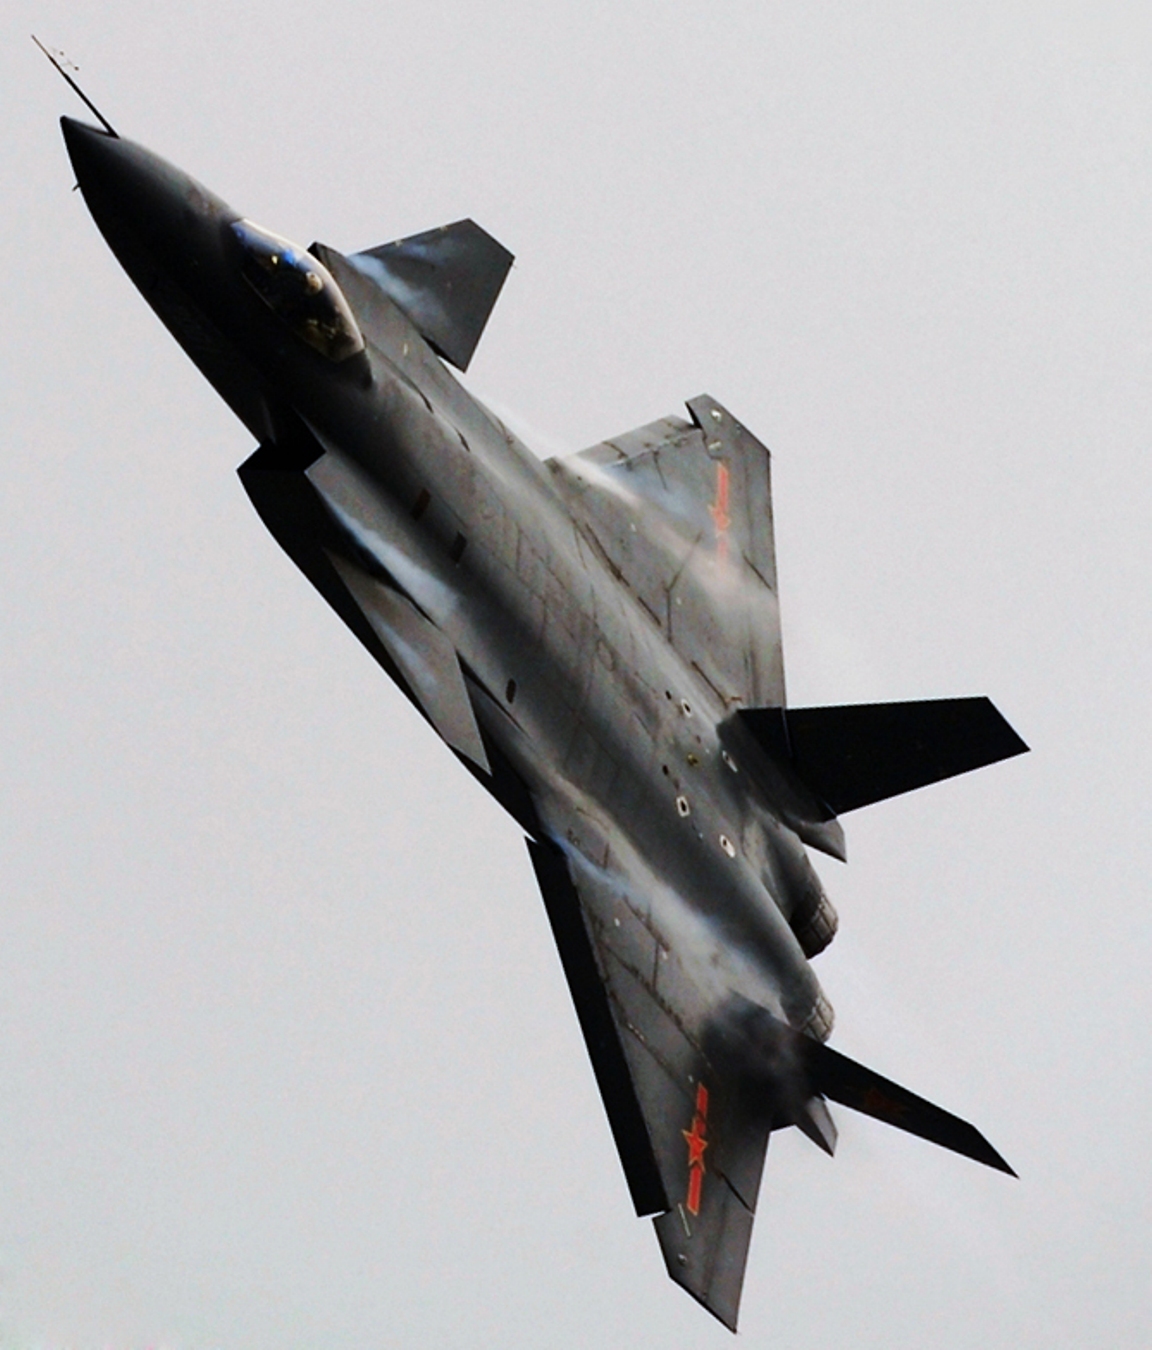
[300, 290]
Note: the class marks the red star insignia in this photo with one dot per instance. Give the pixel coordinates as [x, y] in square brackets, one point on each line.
[696, 1142]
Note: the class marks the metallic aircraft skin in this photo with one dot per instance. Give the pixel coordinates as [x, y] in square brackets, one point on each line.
[469, 568]
[386, 442]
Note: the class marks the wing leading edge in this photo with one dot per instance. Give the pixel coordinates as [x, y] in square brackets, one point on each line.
[691, 1140]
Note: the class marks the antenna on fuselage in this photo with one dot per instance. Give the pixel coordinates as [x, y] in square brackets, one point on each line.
[58, 59]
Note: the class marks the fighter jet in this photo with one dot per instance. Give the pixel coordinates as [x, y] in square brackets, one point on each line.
[597, 638]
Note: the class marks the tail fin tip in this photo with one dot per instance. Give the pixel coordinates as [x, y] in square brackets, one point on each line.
[843, 1080]
[855, 755]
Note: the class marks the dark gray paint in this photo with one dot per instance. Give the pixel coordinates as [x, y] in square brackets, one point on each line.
[628, 596]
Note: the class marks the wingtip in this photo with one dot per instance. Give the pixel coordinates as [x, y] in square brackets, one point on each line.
[1000, 1164]
[980, 1150]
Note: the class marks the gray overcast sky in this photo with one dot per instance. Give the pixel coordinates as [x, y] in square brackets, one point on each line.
[286, 1059]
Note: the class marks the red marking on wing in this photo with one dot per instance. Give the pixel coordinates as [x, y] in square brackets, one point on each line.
[877, 1104]
[697, 1142]
[695, 1181]
[719, 510]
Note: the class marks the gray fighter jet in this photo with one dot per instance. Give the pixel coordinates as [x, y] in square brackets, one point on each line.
[597, 639]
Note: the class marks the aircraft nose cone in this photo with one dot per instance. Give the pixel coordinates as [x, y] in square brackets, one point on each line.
[126, 186]
[146, 208]
[86, 145]
[114, 175]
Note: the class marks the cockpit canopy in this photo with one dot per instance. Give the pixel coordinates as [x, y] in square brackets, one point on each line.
[300, 290]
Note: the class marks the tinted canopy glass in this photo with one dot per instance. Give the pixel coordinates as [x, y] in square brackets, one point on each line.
[300, 289]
